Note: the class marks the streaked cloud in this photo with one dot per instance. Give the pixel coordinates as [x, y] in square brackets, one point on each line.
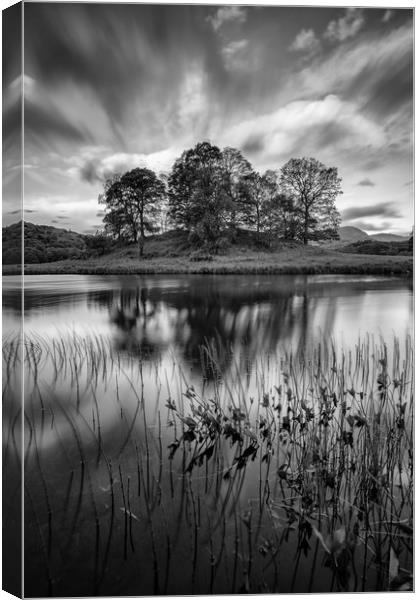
[376, 76]
[375, 226]
[321, 127]
[377, 210]
[114, 86]
[94, 170]
[388, 14]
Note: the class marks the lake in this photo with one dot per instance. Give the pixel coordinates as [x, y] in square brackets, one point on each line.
[178, 314]
[212, 434]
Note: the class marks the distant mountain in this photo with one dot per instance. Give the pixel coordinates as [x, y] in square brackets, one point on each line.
[389, 237]
[352, 234]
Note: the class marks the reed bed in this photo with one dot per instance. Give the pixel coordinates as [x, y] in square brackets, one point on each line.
[295, 478]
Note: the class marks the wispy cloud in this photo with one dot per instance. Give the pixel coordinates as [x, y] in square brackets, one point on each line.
[388, 14]
[346, 27]
[114, 86]
[235, 55]
[321, 127]
[306, 42]
[18, 212]
[366, 183]
[78, 213]
[97, 170]
[377, 210]
[376, 226]
[377, 72]
[227, 14]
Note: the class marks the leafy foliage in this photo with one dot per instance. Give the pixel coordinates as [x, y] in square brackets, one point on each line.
[212, 194]
[236, 173]
[198, 198]
[133, 203]
[41, 244]
[314, 189]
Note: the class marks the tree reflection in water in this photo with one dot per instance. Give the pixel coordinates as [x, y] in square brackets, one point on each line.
[203, 318]
[109, 452]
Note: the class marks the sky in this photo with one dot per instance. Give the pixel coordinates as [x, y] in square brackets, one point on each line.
[109, 87]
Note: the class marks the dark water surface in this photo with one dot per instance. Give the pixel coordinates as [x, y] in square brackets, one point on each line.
[170, 446]
[182, 311]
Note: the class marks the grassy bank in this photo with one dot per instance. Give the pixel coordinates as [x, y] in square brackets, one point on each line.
[291, 260]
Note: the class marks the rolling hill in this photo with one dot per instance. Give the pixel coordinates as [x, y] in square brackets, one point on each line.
[389, 237]
[46, 244]
[354, 234]
[43, 243]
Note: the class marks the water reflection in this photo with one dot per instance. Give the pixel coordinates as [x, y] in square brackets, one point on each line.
[245, 316]
[252, 321]
[106, 399]
[242, 317]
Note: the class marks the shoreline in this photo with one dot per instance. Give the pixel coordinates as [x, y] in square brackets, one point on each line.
[288, 263]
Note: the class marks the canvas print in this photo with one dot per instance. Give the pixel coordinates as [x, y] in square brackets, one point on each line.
[207, 299]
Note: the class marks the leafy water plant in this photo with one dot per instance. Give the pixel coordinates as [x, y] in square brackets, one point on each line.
[297, 478]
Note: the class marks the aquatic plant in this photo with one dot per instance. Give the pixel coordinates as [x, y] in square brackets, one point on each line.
[141, 481]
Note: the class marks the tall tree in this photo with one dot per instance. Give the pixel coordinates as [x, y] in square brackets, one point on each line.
[162, 218]
[145, 191]
[197, 198]
[133, 202]
[287, 218]
[116, 224]
[120, 218]
[314, 189]
[236, 173]
[257, 200]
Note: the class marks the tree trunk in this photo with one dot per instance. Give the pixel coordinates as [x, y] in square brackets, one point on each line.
[141, 238]
[141, 245]
[133, 230]
[305, 231]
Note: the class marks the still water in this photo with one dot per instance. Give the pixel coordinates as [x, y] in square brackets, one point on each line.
[180, 313]
[156, 425]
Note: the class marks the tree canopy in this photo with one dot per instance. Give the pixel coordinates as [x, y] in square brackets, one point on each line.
[314, 189]
[197, 199]
[211, 193]
[133, 203]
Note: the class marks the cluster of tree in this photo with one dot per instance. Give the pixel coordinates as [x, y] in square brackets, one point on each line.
[212, 193]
